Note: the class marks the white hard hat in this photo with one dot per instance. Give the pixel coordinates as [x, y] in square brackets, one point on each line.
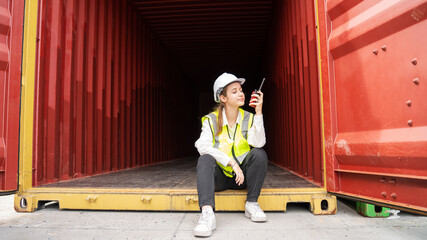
[222, 81]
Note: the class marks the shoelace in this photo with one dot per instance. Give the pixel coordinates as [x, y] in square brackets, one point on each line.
[204, 217]
[255, 207]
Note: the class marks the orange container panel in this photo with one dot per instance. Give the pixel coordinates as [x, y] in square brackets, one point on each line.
[102, 102]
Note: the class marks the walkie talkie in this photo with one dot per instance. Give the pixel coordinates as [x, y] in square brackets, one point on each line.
[256, 92]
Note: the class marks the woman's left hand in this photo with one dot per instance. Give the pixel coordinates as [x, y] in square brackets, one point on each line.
[258, 103]
[240, 177]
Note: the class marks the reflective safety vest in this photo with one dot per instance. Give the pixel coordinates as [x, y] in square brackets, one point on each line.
[235, 146]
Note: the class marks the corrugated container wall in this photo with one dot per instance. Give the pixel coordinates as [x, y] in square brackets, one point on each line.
[295, 138]
[11, 20]
[375, 101]
[107, 95]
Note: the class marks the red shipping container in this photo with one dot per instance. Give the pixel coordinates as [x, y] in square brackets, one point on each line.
[120, 85]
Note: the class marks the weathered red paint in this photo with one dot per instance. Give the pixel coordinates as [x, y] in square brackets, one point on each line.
[11, 22]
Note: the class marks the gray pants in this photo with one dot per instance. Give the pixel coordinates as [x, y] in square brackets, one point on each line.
[211, 178]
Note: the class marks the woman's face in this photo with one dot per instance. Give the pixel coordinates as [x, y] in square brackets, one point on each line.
[234, 96]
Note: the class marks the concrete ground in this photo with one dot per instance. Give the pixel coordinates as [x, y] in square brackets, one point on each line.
[296, 223]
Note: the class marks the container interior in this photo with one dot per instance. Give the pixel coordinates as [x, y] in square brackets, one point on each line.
[123, 85]
[175, 174]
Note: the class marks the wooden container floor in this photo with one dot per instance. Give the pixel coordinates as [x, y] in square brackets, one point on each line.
[176, 174]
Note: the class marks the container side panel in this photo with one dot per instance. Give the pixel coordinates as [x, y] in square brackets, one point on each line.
[11, 21]
[122, 144]
[67, 163]
[107, 98]
[326, 83]
[133, 92]
[127, 91]
[116, 89]
[315, 165]
[90, 93]
[79, 97]
[102, 92]
[39, 143]
[53, 83]
[150, 96]
[100, 87]
[144, 94]
[377, 50]
[292, 68]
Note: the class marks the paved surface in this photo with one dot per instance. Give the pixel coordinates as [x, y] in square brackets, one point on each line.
[296, 223]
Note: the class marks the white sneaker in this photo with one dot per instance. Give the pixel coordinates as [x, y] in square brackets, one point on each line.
[206, 224]
[254, 212]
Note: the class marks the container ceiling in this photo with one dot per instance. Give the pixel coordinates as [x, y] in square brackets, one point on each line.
[207, 38]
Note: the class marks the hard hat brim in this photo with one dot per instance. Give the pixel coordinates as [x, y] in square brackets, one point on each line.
[240, 80]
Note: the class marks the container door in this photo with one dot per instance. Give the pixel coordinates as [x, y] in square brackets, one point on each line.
[378, 81]
[11, 20]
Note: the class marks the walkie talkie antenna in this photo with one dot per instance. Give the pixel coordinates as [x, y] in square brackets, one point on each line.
[261, 84]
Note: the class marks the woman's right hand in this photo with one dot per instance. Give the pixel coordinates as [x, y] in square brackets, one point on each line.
[240, 178]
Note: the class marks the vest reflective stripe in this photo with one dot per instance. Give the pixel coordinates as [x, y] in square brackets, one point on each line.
[235, 146]
[242, 157]
[213, 117]
[245, 123]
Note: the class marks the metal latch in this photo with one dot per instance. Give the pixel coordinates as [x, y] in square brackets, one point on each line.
[190, 199]
[92, 198]
[146, 199]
